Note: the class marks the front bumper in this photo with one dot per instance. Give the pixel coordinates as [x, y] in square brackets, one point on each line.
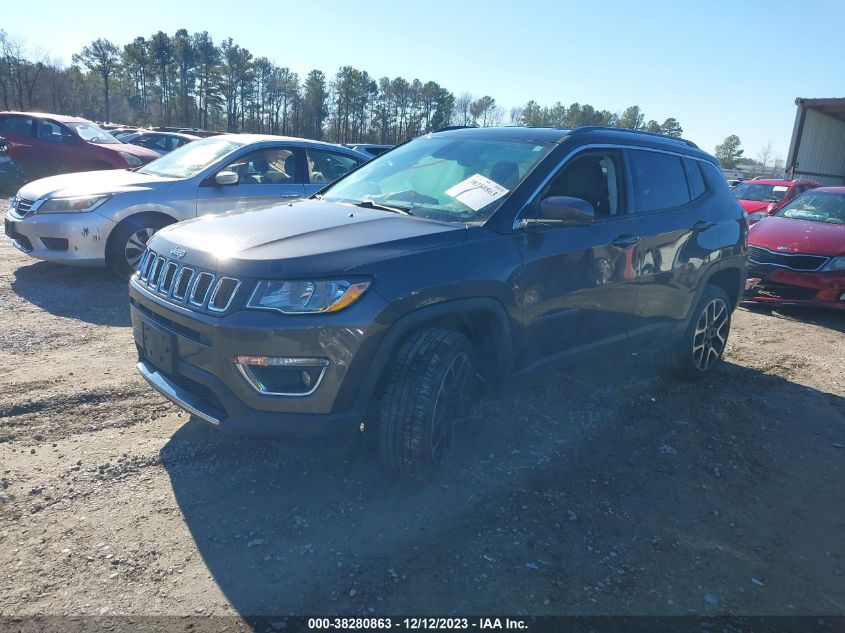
[203, 378]
[64, 238]
[782, 286]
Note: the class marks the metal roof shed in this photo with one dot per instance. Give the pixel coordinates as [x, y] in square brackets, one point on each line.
[817, 149]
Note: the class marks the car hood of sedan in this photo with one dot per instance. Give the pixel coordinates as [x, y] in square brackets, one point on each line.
[787, 235]
[751, 206]
[87, 183]
[308, 237]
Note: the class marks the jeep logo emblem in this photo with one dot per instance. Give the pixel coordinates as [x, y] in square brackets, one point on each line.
[178, 252]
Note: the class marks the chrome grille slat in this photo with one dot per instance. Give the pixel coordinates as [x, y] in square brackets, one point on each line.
[155, 272]
[180, 291]
[186, 286]
[226, 294]
[167, 278]
[200, 285]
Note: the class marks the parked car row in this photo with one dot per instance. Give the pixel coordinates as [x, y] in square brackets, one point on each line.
[294, 289]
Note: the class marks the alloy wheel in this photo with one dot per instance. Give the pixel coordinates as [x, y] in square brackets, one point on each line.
[711, 336]
[447, 407]
[136, 245]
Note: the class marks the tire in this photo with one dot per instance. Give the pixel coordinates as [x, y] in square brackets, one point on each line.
[703, 343]
[427, 390]
[127, 243]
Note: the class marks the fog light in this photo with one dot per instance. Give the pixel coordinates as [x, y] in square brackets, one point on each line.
[282, 376]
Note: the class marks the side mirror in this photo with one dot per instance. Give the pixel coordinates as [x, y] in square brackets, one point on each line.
[226, 178]
[773, 206]
[566, 210]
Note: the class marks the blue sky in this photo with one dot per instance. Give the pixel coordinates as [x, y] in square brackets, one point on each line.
[719, 67]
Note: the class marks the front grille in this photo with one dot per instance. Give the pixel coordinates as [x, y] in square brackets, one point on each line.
[22, 206]
[798, 262]
[186, 286]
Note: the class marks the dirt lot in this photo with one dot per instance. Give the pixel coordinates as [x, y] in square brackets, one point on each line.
[609, 490]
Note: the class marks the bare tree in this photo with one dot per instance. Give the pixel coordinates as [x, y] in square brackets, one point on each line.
[764, 156]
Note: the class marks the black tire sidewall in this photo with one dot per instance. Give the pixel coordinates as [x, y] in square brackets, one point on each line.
[408, 402]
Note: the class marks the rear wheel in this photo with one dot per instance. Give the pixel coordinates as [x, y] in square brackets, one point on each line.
[428, 388]
[128, 242]
[706, 337]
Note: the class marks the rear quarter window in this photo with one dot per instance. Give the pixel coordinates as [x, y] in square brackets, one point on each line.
[660, 181]
[696, 179]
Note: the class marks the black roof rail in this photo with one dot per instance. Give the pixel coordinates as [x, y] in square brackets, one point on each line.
[453, 127]
[606, 128]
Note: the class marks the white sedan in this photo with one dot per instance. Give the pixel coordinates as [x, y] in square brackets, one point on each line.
[102, 218]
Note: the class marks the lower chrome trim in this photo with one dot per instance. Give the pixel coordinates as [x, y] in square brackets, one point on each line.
[175, 394]
[256, 384]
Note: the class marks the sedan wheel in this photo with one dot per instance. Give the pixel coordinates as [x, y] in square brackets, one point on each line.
[136, 245]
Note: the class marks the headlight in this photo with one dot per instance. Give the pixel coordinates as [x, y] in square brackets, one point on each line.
[78, 204]
[133, 161]
[836, 264]
[307, 297]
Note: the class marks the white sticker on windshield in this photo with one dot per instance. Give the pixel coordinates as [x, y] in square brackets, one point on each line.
[476, 192]
[779, 188]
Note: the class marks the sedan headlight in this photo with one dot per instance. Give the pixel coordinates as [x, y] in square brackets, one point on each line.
[133, 161]
[307, 297]
[77, 204]
[835, 264]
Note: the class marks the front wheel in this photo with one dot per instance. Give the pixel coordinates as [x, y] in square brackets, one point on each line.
[428, 387]
[706, 337]
[128, 243]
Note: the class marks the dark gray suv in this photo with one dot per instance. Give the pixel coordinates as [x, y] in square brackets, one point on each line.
[455, 262]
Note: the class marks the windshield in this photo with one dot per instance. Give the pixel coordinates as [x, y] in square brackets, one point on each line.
[760, 192]
[443, 178]
[820, 206]
[190, 159]
[92, 134]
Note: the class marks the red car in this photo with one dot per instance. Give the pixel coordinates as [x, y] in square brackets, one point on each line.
[47, 144]
[767, 196]
[797, 256]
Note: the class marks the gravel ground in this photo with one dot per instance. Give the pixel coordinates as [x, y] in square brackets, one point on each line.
[607, 490]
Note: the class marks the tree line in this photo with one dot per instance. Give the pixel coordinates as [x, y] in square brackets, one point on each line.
[188, 80]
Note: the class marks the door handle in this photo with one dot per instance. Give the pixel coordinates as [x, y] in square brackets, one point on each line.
[626, 241]
[702, 225]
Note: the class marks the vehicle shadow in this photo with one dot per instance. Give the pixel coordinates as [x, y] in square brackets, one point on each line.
[614, 456]
[830, 319]
[67, 291]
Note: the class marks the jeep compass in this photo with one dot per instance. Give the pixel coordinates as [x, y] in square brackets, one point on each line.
[454, 263]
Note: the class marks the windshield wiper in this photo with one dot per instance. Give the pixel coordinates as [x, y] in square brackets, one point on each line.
[369, 204]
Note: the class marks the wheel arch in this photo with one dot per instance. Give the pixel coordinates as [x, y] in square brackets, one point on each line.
[483, 320]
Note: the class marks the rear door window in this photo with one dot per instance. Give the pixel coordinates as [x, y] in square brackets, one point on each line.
[16, 124]
[660, 182]
[326, 166]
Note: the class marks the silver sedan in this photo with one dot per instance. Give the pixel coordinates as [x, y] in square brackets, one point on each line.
[106, 217]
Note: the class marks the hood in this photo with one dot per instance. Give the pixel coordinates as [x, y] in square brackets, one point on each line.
[798, 236]
[146, 155]
[308, 237]
[87, 183]
[751, 206]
